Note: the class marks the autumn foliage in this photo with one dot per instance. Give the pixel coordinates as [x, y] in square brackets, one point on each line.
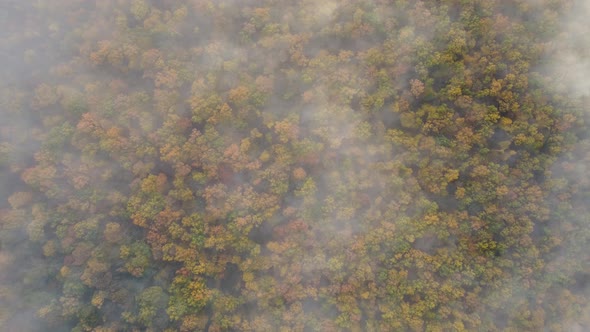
[292, 166]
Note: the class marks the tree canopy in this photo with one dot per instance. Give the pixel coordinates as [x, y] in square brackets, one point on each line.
[275, 165]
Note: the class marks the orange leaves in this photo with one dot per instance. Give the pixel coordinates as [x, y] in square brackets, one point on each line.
[168, 216]
[439, 119]
[193, 323]
[239, 95]
[153, 183]
[39, 176]
[107, 52]
[170, 153]
[416, 87]
[299, 173]
[232, 152]
[287, 130]
[296, 49]
[261, 14]
[167, 78]
[212, 109]
[20, 199]
[431, 219]
[466, 138]
[376, 188]
[197, 292]
[89, 123]
[277, 247]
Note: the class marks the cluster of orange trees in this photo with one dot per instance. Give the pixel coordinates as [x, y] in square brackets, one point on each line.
[277, 165]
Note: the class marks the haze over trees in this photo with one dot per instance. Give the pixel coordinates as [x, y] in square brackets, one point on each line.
[276, 165]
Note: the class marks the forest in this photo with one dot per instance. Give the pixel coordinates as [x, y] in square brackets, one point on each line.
[282, 165]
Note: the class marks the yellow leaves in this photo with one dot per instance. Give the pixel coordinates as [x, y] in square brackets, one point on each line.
[451, 292]
[460, 193]
[505, 122]
[346, 213]
[452, 175]
[198, 293]
[431, 219]
[184, 254]
[480, 171]
[274, 247]
[199, 177]
[98, 299]
[240, 200]
[502, 190]
[307, 189]
[496, 87]
[454, 91]
[64, 271]
[438, 118]
[458, 264]
[153, 184]
[179, 14]
[49, 249]
[140, 9]
[198, 267]
[248, 276]
[458, 326]
[492, 115]
[520, 139]
[335, 264]
[286, 130]
[487, 246]
[245, 145]
[452, 222]
[264, 156]
[124, 251]
[255, 133]
[239, 95]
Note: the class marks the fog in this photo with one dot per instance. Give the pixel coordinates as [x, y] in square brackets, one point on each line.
[311, 140]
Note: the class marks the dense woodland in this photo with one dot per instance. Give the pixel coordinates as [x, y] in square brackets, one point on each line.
[281, 165]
